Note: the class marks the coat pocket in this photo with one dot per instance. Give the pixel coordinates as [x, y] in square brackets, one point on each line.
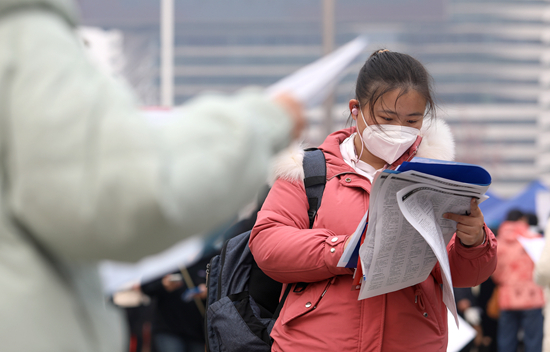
[298, 304]
[429, 303]
[236, 325]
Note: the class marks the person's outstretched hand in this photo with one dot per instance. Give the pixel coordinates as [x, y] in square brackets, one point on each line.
[295, 110]
[469, 227]
[170, 284]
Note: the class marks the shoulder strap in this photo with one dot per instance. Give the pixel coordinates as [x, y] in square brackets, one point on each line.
[315, 178]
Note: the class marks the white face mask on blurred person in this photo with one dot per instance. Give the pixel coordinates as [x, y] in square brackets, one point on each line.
[388, 142]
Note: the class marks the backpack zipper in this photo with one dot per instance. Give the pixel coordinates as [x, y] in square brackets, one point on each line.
[222, 262]
[207, 347]
[207, 274]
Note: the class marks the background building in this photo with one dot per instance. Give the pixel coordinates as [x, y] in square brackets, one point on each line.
[489, 59]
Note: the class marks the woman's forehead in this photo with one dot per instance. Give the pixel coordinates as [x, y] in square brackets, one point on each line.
[397, 101]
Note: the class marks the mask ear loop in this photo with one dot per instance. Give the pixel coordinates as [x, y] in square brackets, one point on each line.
[357, 128]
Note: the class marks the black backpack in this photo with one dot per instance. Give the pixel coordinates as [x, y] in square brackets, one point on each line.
[243, 303]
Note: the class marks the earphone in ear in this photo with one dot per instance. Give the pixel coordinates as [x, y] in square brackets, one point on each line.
[354, 111]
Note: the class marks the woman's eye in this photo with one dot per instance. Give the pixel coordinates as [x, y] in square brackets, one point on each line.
[386, 118]
[412, 122]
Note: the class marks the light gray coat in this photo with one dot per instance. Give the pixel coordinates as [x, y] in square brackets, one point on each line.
[85, 174]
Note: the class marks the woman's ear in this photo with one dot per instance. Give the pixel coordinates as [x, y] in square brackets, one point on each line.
[354, 108]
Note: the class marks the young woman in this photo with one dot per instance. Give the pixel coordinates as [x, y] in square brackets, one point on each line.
[393, 111]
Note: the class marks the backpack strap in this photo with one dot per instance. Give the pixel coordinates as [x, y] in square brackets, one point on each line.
[315, 178]
[281, 304]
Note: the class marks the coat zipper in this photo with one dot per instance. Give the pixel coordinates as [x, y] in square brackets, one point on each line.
[330, 282]
[419, 299]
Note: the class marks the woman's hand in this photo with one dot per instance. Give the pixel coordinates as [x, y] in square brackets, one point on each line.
[469, 228]
[347, 241]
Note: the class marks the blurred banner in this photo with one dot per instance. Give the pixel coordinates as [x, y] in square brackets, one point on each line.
[312, 84]
[119, 275]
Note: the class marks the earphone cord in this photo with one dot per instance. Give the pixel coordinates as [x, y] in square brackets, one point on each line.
[360, 135]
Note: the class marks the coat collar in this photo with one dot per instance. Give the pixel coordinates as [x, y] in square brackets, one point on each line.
[435, 142]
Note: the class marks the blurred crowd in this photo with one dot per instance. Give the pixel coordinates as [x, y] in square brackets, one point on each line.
[507, 311]
[167, 314]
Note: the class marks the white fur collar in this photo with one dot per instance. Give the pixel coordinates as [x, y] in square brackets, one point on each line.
[437, 143]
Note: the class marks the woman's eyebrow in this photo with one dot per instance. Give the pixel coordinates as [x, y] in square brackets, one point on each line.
[387, 112]
[395, 113]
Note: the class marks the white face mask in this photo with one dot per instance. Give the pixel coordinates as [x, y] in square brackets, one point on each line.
[388, 142]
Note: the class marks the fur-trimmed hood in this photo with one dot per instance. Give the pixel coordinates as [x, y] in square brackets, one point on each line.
[65, 8]
[437, 143]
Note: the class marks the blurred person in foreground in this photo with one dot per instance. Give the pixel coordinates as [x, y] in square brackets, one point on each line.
[84, 177]
[520, 300]
[542, 278]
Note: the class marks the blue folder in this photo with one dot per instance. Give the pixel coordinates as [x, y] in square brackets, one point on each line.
[461, 172]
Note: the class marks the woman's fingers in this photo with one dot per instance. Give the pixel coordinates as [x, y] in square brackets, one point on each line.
[469, 227]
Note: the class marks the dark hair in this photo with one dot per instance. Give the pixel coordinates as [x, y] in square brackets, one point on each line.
[385, 71]
[514, 215]
[532, 219]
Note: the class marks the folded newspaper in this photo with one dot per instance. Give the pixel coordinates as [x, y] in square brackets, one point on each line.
[408, 235]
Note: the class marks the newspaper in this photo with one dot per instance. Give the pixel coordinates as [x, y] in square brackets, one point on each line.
[407, 234]
[459, 337]
[533, 247]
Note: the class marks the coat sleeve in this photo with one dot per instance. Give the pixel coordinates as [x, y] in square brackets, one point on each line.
[283, 245]
[91, 177]
[471, 266]
[542, 267]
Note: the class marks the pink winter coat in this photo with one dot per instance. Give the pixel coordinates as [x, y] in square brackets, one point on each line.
[514, 272]
[327, 315]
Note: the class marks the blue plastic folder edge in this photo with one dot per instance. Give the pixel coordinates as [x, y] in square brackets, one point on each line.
[460, 172]
[354, 258]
